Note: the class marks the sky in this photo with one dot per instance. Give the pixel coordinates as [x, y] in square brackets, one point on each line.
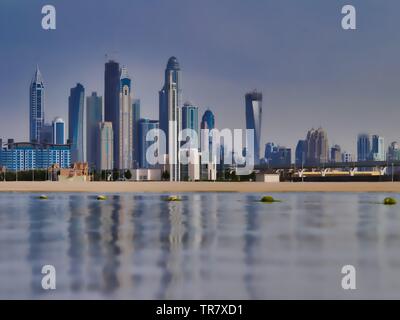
[311, 72]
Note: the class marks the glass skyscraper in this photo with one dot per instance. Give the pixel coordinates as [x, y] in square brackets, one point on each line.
[111, 102]
[106, 145]
[190, 120]
[145, 125]
[253, 120]
[170, 97]
[77, 123]
[94, 115]
[36, 106]
[207, 122]
[364, 147]
[58, 131]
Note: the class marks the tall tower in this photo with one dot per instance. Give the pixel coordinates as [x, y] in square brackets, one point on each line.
[207, 122]
[58, 131]
[253, 119]
[111, 102]
[364, 147]
[106, 146]
[77, 123]
[169, 114]
[125, 121]
[190, 120]
[136, 118]
[94, 115]
[36, 106]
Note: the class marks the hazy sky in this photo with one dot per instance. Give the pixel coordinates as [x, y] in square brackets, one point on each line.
[311, 72]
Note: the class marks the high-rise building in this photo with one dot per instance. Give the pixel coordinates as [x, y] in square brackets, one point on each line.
[112, 84]
[301, 153]
[106, 145]
[125, 124]
[393, 152]
[77, 123]
[136, 118]
[94, 115]
[317, 150]
[364, 147]
[36, 106]
[190, 120]
[170, 97]
[145, 125]
[277, 156]
[207, 122]
[58, 131]
[347, 157]
[253, 120]
[46, 133]
[336, 155]
[378, 148]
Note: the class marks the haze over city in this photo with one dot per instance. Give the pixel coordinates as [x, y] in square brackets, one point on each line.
[310, 71]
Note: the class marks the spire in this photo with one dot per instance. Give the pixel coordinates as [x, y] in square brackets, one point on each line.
[37, 78]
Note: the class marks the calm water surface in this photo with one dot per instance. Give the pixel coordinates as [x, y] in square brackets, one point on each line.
[210, 245]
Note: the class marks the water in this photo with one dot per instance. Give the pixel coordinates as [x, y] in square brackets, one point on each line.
[209, 246]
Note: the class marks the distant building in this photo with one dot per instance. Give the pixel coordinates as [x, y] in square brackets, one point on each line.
[317, 150]
[170, 97]
[191, 169]
[46, 134]
[23, 156]
[393, 152]
[135, 120]
[125, 124]
[145, 125]
[112, 84]
[378, 148]
[347, 157]
[36, 107]
[253, 120]
[301, 153]
[77, 123]
[364, 147]
[58, 131]
[336, 155]
[190, 120]
[94, 116]
[106, 146]
[207, 122]
[277, 156]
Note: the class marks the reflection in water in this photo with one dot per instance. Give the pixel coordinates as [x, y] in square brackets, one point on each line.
[210, 245]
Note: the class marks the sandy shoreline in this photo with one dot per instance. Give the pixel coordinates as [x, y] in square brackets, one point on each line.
[171, 187]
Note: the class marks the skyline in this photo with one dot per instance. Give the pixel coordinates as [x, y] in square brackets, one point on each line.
[347, 81]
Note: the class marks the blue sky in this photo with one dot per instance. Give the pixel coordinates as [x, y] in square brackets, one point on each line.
[311, 72]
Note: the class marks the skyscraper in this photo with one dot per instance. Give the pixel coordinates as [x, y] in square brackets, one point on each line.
[301, 153]
[106, 145]
[46, 134]
[36, 106]
[112, 86]
[393, 152]
[336, 155]
[253, 120]
[77, 123]
[364, 147]
[169, 114]
[136, 118]
[207, 122]
[145, 125]
[125, 124]
[94, 115]
[190, 120]
[317, 150]
[58, 131]
[378, 148]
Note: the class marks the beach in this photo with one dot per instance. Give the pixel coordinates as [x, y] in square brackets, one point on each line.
[174, 187]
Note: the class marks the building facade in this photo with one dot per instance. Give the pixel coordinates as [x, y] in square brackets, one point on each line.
[136, 118]
[46, 133]
[317, 148]
[94, 116]
[125, 120]
[77, 123]
[112, 84]
[105, 159]
[190, 120]
[58, 131]
[34, 156]
[36, 106]
[253, 120]
[336, 154]
[378, 148]
[145, 125]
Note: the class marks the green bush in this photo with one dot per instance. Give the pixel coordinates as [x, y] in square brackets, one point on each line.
[389, 201]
